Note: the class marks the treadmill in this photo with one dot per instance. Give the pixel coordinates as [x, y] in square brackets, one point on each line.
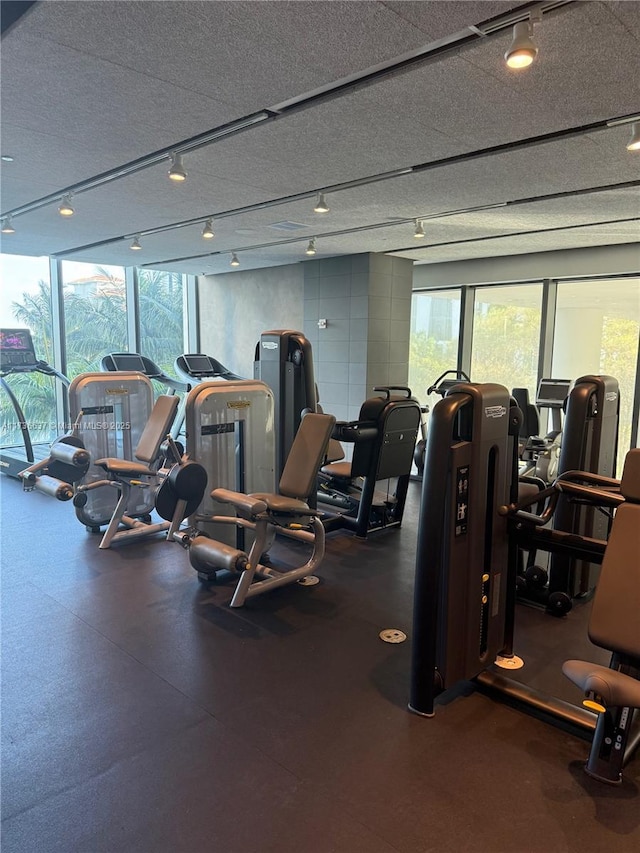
[196, 367]
[17, 355]
[134, 361]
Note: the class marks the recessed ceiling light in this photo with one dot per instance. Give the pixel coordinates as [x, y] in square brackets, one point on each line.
[6, 158]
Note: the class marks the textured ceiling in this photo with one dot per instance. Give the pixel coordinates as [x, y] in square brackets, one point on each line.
[91, 88]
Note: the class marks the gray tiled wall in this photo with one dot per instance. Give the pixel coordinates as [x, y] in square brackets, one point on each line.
[366, 301]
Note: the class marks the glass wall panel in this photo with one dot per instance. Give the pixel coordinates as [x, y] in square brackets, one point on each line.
[433, 347]
[94, 314]
[506, 336]
[161, 299]
[597, 328]
[25, 303]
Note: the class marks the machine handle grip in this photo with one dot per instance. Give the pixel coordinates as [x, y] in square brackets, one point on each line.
[353, 431]
[389, 388]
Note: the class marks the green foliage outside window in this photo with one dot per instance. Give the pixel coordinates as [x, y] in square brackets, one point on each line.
[95, 324]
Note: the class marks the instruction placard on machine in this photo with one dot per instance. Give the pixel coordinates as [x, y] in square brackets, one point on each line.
[462, 500]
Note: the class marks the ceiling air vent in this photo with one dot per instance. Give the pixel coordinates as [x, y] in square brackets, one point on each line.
[288, 226]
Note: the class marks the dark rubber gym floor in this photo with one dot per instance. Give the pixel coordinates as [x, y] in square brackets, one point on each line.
[140, 713]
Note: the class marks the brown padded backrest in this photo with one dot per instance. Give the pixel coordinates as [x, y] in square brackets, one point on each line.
[307, 454]
[615, 614]
[156, 428]
[630, 483]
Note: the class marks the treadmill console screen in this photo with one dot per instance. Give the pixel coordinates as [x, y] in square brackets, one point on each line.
[199, 365]
[128, 361]
[16, 348]
[552, 393]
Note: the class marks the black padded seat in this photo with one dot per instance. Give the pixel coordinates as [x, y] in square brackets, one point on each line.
[615, 688]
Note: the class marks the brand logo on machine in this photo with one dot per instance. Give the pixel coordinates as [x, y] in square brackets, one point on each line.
[269, 345]
[117, 391]
[238, 404]
[494, 411]
[610, 396]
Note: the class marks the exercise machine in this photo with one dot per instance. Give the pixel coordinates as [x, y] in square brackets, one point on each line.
[612, 692]
[589, 443]
[198, 367]
[464, 605]
[265, 514]
[17, 358]
[460, 599]
[384, 441]
[540, 454]
[109, 412]
[284, 361]
[128, 362]
[175, 483]
[230, 431]
[442, 384]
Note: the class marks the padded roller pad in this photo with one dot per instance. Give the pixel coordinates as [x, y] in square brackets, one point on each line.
[615, 688]
[125, 467]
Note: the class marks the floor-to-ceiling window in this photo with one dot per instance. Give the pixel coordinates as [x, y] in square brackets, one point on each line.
[161, 300]
[25, 303]
[596, 331]
[95, 314]
[506, 336]
[435, 325]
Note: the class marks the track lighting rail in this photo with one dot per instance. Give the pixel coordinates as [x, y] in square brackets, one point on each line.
[428, 53]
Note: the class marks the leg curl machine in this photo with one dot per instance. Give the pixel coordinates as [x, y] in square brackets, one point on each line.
[266, 514]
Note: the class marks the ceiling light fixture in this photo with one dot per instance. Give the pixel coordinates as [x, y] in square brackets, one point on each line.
[419, 232]
[177, 172]
[634, 142]
[66, 208]
[311, 248]
[7, 225]
[522, 50]
[321, 205]
[207, 231]
[234, 260]
[6, 158]
[135, 244]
